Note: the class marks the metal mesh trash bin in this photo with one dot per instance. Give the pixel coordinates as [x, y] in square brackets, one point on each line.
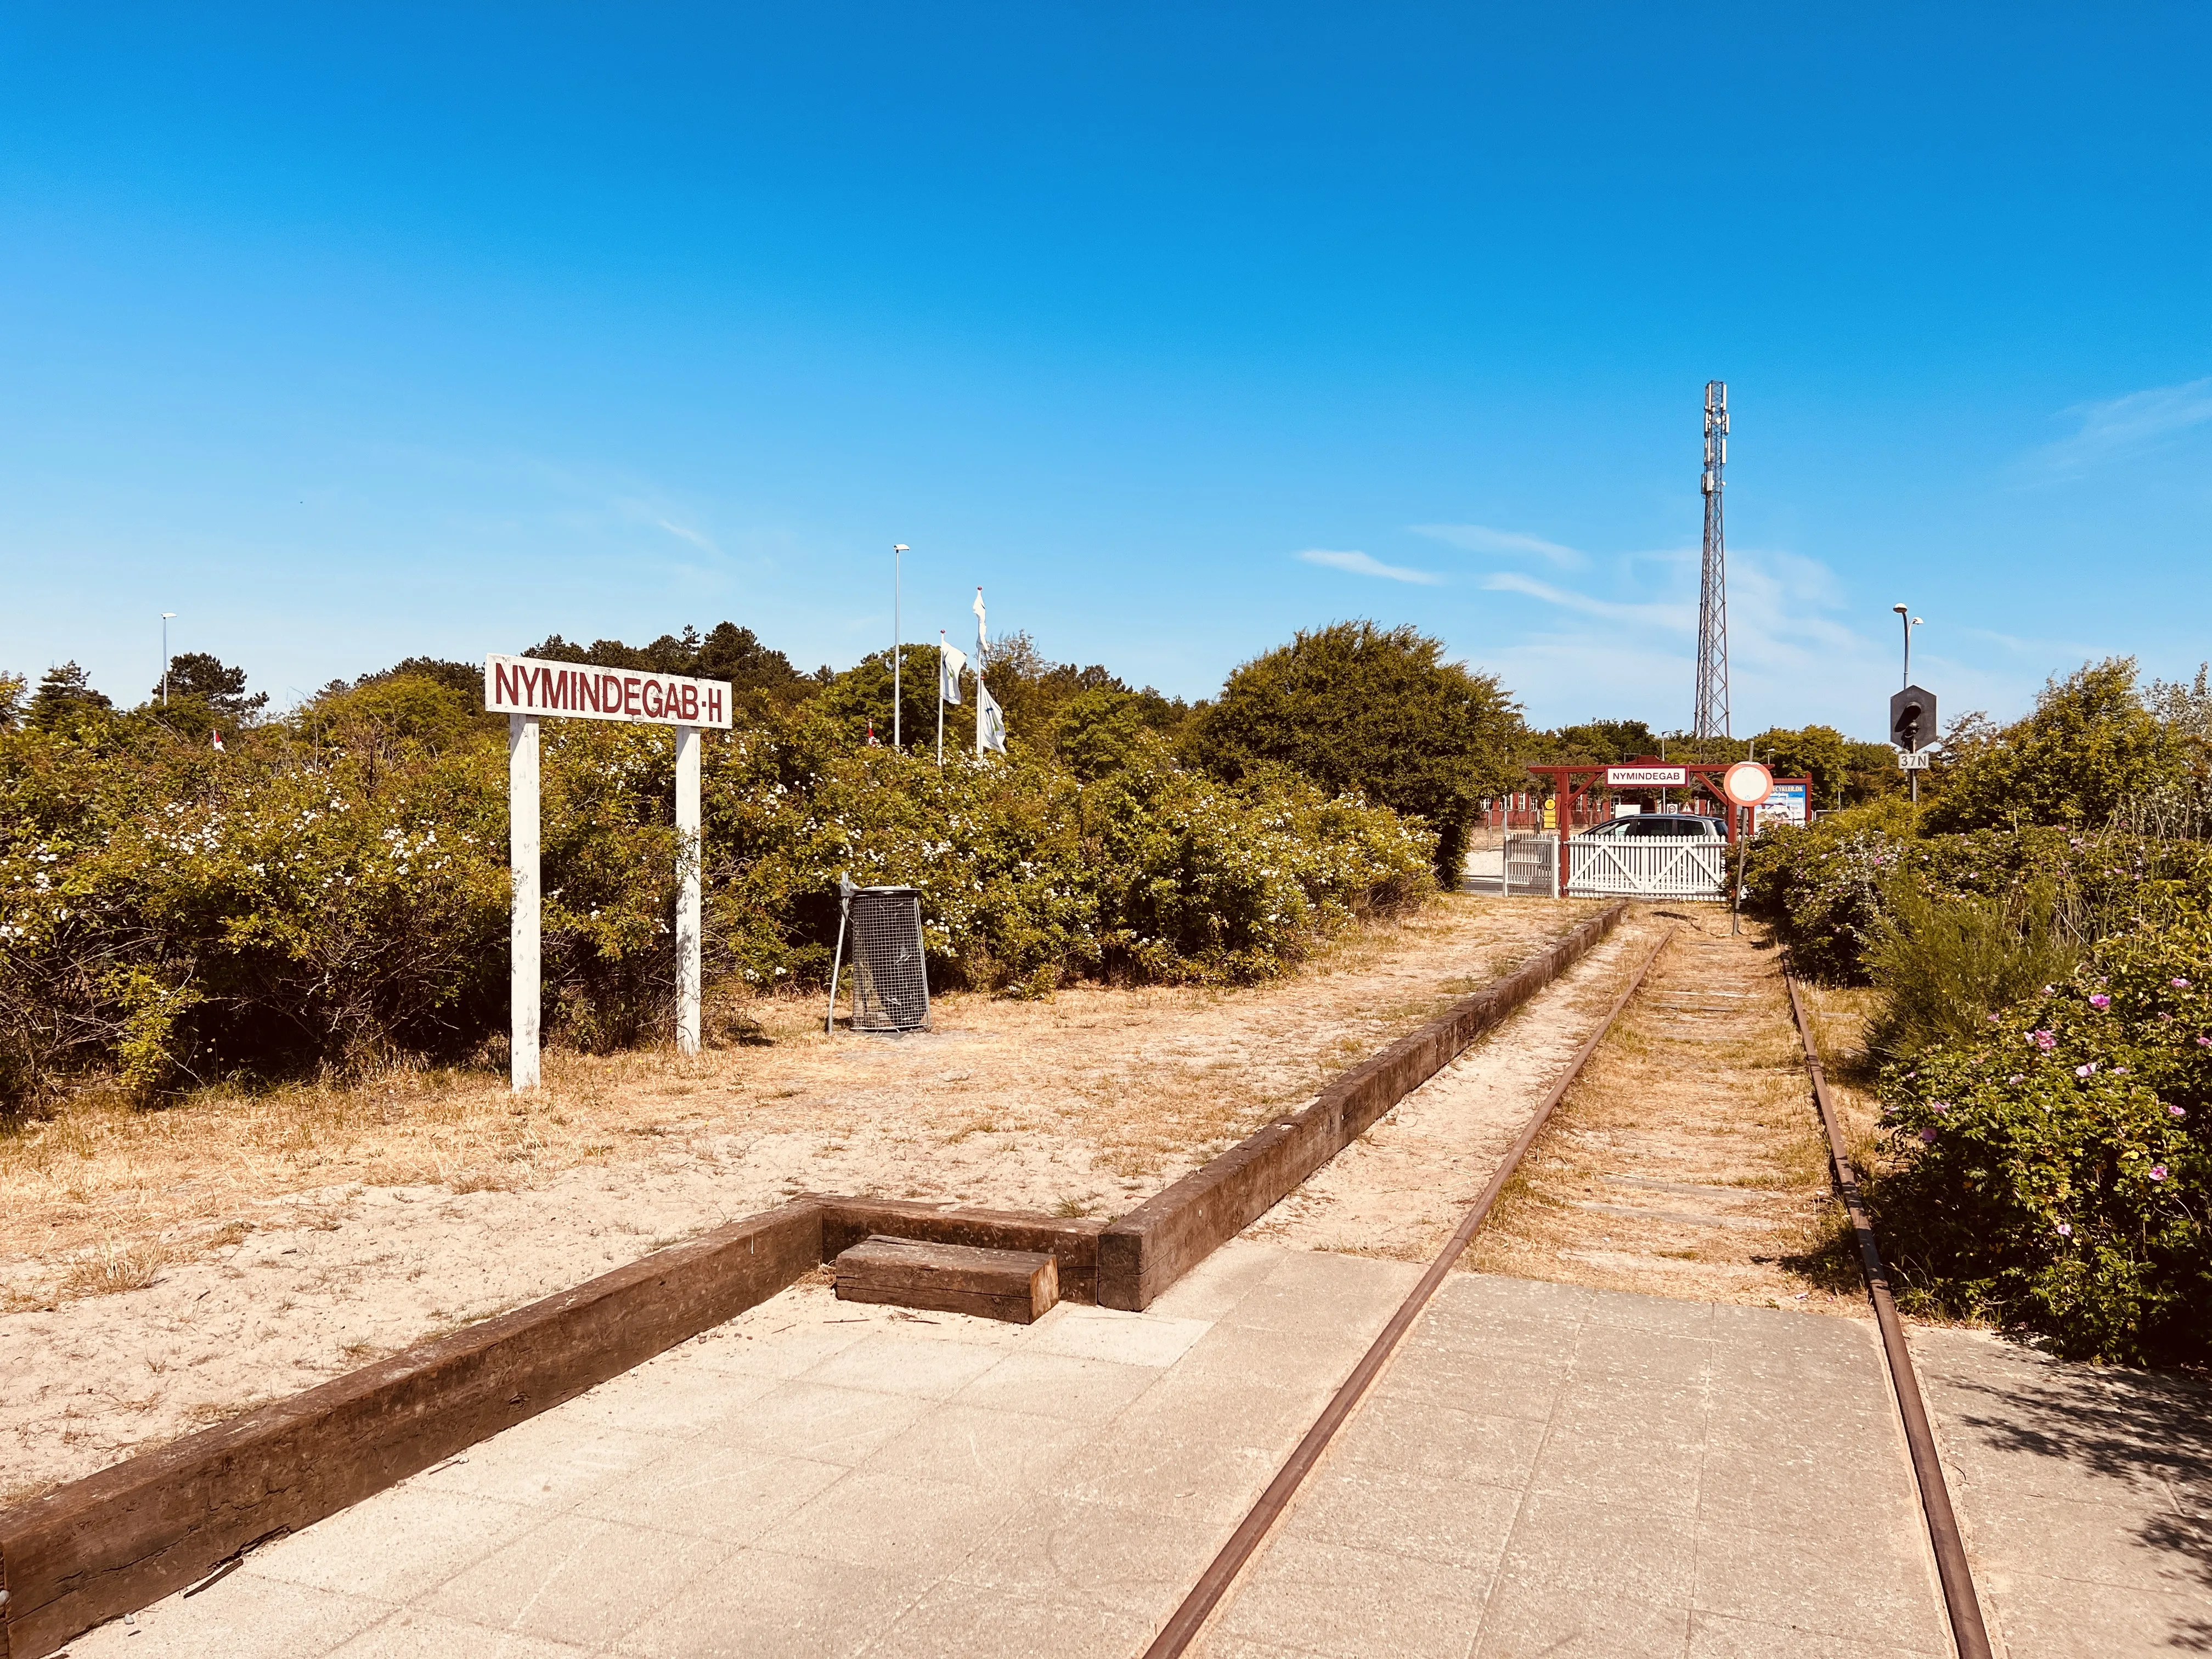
[891, 984]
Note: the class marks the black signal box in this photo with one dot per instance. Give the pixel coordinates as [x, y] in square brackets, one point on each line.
[1913, 719]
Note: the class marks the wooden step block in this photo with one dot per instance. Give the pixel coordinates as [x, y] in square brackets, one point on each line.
[1016, 1285]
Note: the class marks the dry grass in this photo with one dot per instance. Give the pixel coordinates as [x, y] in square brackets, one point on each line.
[113, 1265]
[1152, 1079]
[1688, 1160]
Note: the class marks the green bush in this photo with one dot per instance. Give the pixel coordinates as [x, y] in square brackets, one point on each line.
[334, 889]
[2089, 747]
[1945, 964]
[2051, 1171]
[1373, 712]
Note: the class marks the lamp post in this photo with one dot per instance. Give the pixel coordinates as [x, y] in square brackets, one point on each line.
[1910, 622]
[166, 615]
[898, 548]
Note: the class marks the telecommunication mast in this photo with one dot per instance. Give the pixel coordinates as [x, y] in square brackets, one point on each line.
[1710, 719]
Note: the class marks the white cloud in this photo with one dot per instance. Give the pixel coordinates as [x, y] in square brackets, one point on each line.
[1673, 617]
[2113, 429]
[1480, 539]
[1361, 565]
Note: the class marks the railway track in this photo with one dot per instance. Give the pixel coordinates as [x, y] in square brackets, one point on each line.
[1960, 1604]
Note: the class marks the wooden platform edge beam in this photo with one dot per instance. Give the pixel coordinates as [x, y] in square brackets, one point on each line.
[1145, 1251]
[1073, 1241]
[121, 1539]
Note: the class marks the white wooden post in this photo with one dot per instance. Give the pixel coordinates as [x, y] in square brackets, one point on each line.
[688, 917]
[522, 858]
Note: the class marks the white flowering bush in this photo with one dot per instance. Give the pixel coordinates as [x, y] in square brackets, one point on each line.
[334, 891]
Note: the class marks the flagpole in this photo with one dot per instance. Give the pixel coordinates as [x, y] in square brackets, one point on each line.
[940, 699]
[898, 548]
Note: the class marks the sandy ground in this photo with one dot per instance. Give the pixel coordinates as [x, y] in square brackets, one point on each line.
[250, 1247]
[1688, 1159]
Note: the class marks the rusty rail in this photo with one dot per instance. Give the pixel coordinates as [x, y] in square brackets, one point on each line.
[1183, 1626]
[1968, 1633]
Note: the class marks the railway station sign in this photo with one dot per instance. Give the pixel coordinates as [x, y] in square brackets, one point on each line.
[1646, 777]
[529, 690]
[529, 685]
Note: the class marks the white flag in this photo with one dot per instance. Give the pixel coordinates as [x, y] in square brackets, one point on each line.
[990, 724]
[949, 664]
[983, 645]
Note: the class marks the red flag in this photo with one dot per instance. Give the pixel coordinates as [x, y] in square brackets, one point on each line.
[217, 736]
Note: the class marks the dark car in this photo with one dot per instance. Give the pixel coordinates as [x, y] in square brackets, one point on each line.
[1658, 823]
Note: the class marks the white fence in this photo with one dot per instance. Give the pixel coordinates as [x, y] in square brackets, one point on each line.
[1531, 866]
[1670, 867]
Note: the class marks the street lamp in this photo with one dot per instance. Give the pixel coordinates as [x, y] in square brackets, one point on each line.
[166, 615]
[1911, 622]
[898, 548]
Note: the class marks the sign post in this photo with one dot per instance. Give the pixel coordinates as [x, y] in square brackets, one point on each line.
[526, 691]
[1748, 784]
[523, 926]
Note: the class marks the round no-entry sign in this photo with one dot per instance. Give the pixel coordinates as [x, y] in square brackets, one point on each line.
[1748, 783]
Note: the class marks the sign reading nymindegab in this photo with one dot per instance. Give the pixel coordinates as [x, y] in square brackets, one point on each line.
[527, 685]
[1646, 777]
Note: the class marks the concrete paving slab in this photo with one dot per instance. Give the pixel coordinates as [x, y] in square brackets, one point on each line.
[1076, 1331]
[1058, 1386]
[428, 1636]
[577, 1579]
[411, 1545]
[1623, 1507]
[1371, 1506]
[247, 1616]
[1535, 1473]
[816, 1479]
[1354, 1603]
[729, 1494]
[2074, 1487]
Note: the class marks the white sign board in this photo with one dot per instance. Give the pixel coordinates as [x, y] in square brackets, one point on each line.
[1913, 760]
[527, 685]
[1646, 777]
[1785, 805]
[526, 691]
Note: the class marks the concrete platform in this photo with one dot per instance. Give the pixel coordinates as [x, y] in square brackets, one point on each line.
[2085, 1492]
[827, 1478]
[1544, 1470]
[1549, 1470]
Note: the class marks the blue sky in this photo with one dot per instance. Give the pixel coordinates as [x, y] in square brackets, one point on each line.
[351, 333]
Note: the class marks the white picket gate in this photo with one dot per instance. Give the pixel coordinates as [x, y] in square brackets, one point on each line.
[1531, 866]
[1657, 866]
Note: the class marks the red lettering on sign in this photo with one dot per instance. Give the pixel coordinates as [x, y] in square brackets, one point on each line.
[649, 699]
[691, 702]
[503, 683]
[629, 695]
[610, 694]
[715, 706]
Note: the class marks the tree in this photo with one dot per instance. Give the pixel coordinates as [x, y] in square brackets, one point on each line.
[1361, 709]
[1612, 742]
[208, 679]
[1819, 752]
[1098, 731]
[64, 698]
[465, 680]
[862, 694]
[2088, 748]
[15, 697]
